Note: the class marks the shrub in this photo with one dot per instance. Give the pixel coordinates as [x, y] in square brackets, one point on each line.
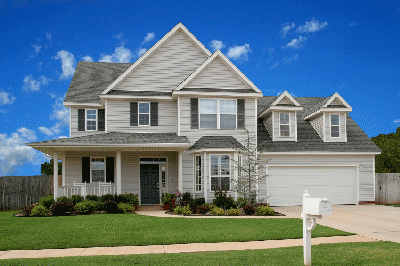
[183, 210]
[98, 206]
[61, 208]
[199, 201]
[75, 199]
[241, 202]
[217, 211]
[92, 197]
[187, 199]
[107, 197]
[222, 200]
[63, 199]
[233, 212]
[132, 199]
[249, 209]
[85, 207]
[28, 209]
[40, 211]
[47, 201]
[203, 209]
[264, 210]
[110, 206]
[125, 208]
[120, 198]
[167, 198]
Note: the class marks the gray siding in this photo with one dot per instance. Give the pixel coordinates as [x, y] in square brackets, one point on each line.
[292, 126]
[74, 123]
[318, 125]
[343, 132]
[167, 67]
[118, 117]
[366, 172]
[268, 123]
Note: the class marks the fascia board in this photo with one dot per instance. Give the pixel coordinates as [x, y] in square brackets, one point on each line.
[72, 104]
[279, 108]
[172, 145]
[217, 94]
[134, 97]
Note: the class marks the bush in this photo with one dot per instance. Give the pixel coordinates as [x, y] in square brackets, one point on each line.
[85, 207]
[222, 200]
[233, 212]
[40, 211]
[241, 202]
[98, 206]
[110, 206]
[47, 201]
[60, 208]
[107, 197]
[167, 198]
[264, 210]
[92, 197]
[75, 199]
[217, 211]
[120, 198]
[132, 199]
[125, 208]
[203, 209]
[186, 199]
[183, 210]
[28, 209]
[249, 209]
[63, 199]
[199, 201]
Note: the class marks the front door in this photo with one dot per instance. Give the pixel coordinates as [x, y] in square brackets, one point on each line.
[149, 184]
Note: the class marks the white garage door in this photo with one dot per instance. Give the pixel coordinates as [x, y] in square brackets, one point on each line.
[286, 185]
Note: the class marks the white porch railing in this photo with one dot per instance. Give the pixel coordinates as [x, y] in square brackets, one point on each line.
[68, 191]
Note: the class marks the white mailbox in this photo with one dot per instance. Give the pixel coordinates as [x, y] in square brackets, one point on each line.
[317, 206]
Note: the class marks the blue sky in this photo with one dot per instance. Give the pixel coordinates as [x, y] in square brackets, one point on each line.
[309, 49]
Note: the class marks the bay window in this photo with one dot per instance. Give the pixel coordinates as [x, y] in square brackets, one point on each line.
[220, 172]
[218, 114]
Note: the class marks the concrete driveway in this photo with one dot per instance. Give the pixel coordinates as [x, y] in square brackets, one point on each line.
[373, 221]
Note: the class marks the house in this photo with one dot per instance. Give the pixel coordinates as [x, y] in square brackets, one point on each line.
[174, 119]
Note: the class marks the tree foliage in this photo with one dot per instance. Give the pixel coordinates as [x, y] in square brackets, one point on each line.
[47, 168]
[389, 160]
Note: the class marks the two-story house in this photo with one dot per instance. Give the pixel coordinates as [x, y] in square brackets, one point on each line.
[174, 119]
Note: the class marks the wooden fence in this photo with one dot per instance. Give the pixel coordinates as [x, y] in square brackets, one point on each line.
[19, 191]
[387, 188]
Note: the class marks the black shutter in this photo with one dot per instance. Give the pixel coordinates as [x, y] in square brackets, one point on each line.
[154, 114]
[86, 169]
[81, 119]
[134, 113]
[194, 111]
[101, 122]
[110, 169]
[240, 113]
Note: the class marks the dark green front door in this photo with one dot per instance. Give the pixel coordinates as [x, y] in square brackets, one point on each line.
[149, 182]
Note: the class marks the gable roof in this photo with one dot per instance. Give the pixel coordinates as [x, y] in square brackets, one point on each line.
[274, 104]
[149, 52]
[324, 103]
[217, 142]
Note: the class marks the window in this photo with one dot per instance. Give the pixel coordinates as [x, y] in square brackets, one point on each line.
[220, 171]
[335, 126]
[217, 114]
[284, 125]
[198, 172]
[91, 119]
[98, 170]
[163, 176]
[144, 114]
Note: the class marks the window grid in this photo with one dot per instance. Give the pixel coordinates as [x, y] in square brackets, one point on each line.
[91, 119]
[144, 113]
[335, 126]
[220, 172]
[284, 124]
[98, 170]
[222, 117]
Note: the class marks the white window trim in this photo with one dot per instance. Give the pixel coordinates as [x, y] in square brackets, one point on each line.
[195, 173]
[143, 113]
[86, 119]
[218, 112]
[105, 165]
[284, 125]
[219, 161]
[330, 122]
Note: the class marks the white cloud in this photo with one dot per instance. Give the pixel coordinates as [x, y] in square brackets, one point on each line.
[6, 98]
[286, 28]
[121, 55]
[140, 51]
[217, 45]
[295, 43]
[40, 65]
[239, 52]
[149, 37]
[87, 58]
[353, 24]
[67, 63]
[48, 36]
[312, 26]
[62, 137]
[396, 121]
[3, 111]
[60, 114]
[30, 84]
[37, 49]
[46, 131]
[290, 59]
[119, 36]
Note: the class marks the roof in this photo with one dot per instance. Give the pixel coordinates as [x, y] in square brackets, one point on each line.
[221, 142]
[308, 138]
[217, 90]
[315, 107]
[90, 79]
[139, 93]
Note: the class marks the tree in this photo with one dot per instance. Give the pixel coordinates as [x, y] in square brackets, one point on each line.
[248, 168]
[389, 160]
[47, 168]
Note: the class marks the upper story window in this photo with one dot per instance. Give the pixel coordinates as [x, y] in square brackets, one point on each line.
[218, 114]
[144, 113]
[284, 125]
[335, 126]
[91, 119]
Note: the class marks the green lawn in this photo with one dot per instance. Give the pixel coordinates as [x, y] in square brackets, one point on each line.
[375, 253]
[107, 230]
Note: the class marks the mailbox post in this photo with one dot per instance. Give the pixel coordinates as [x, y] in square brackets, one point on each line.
[313, 209]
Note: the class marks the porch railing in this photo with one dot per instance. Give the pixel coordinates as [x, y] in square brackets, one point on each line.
[68, 191]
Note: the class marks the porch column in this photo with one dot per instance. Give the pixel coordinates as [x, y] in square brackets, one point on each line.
[235, 174]
[180, 187]
[63, 171]
[118, 155]
[205, 176]
[55, 175]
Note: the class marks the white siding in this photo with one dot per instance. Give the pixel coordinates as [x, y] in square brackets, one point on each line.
[343, 132]
[217, 75]
[285, 100]
[318, 125]
[292, 127]
[118, 117]
[336, 102]
[74, 123]
[167, 67]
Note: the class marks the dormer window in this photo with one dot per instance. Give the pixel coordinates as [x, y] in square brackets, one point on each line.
[284, 124]
[335, 126]
[91, 119]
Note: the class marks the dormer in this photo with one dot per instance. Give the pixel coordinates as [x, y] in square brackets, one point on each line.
[328, 118]
[280, 117]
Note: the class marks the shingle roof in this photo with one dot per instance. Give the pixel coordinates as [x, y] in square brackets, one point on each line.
[218, 90]
[315, 107]
[212, 142]
[308, 138]
[91, 78]
[139, 93]
[115, 138]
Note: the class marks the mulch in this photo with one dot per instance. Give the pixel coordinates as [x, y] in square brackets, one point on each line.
[197, 214]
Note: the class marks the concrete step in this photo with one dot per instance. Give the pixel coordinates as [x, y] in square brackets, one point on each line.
[150, 208]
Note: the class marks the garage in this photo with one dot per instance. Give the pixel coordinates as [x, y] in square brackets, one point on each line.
[286, 184]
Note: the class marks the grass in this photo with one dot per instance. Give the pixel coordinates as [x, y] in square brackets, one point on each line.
[108, 230]
[393, 205]
[374, 253]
